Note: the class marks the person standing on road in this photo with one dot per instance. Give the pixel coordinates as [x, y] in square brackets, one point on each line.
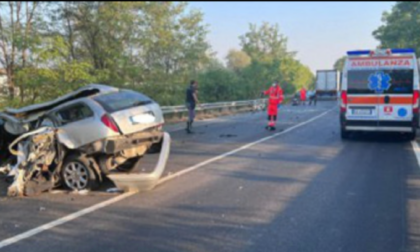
[275, 93]
[312, 97]
[191, 102]
[303, 95]
[309, 96]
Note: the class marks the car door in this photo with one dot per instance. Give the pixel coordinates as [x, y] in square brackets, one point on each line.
[77, 124]
[395, 103]
[363, 102]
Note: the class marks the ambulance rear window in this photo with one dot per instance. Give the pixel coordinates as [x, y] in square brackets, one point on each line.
[365, 81]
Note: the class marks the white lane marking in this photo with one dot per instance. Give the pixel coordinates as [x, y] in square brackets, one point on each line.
[63, 220]
[98, 206]
[416, 149]
[195, 167]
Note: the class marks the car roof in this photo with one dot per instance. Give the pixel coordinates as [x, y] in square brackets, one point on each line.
[86, 91]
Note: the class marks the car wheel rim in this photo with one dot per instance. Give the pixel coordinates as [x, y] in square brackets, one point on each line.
[76, 176]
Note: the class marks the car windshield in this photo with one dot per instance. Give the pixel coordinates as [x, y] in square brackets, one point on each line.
[401, 81]
[122, 100]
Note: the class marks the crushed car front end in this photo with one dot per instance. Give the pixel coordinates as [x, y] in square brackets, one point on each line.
[98, 133]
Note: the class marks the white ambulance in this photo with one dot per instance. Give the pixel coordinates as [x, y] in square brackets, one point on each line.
[380, 92]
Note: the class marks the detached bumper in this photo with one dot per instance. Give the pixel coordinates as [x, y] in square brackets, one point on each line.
[144, 181]
[115, 145]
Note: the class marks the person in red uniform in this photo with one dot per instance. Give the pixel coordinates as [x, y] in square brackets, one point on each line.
[303, 95]
[275, 97]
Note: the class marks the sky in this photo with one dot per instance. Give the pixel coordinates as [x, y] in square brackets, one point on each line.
[320, 32]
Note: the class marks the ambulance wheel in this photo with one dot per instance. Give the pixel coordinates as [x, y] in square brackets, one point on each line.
[345, 134]
[413, 134]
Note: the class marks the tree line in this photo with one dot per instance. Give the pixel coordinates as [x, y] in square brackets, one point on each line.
[50, 48]
[400, 29]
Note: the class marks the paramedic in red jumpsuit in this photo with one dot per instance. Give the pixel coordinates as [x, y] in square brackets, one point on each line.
[303, 95]
[275, 93]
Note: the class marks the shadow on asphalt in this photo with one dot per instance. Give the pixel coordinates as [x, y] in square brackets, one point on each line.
[345, 207]
[353, 204]
[251, 176]
[413, 206]
[378, 137]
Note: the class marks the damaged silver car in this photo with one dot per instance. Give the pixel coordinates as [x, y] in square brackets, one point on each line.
[78, 138]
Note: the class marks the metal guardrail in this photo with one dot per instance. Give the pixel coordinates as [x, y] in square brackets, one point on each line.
[256, 104]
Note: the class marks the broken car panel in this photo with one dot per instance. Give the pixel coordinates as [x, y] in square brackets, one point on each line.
[97, 130]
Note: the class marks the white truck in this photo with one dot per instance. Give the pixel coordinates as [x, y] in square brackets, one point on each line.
[327, 83]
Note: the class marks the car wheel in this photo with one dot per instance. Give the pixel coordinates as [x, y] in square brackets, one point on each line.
[77, 173]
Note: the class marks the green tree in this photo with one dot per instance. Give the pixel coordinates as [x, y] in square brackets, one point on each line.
[49, 75]
[339, 64]
[219, 84]
[102, 33]
[259, 76]
[271, 60]
[153, 47]
[173, 41]
[237, 60]
[265, 43]
[401, 27]
[150, 46]
[20, 26]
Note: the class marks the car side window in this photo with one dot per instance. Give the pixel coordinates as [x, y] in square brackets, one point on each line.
[47, 122]
[73, 113]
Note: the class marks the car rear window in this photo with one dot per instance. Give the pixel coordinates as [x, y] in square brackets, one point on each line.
[122, 100]
[401, 81]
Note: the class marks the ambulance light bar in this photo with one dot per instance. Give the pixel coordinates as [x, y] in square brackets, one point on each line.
[369, 52]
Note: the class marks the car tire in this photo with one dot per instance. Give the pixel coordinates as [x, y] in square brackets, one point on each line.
[78, 174]
[345, 134]
[413, 135]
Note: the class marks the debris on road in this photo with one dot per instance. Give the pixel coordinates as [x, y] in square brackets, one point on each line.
[114, 190]
[81, 192]
[227, 135]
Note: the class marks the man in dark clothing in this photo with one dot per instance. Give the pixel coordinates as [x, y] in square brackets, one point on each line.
[312, 97]
[191, 101]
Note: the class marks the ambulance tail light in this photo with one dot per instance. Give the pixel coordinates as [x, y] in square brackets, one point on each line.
[416, 101]
[343, 104]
